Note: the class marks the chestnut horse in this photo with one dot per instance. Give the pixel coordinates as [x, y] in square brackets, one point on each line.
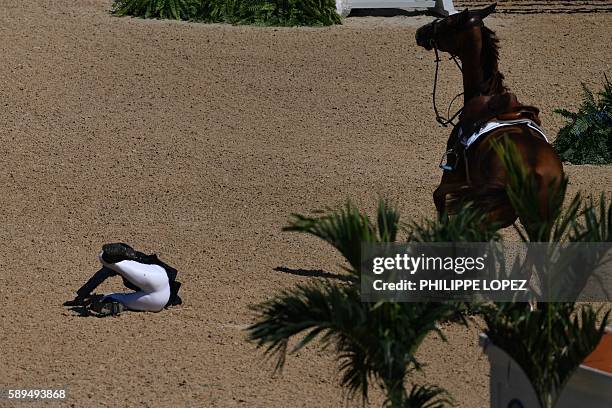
[476, 173]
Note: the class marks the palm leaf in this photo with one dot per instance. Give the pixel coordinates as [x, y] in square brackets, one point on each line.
[468, 225]
[372, 341]
[347, 228]
[427, 396]
[549, 343]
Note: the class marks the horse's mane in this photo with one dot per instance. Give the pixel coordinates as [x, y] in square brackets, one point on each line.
[493, 79]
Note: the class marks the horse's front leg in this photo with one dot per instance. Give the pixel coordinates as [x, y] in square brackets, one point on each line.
[439, 198]
[451, 180]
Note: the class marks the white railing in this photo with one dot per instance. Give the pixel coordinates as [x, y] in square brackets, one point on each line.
[443, 7]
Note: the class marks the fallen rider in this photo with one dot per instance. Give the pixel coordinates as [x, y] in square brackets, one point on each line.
[153, 282]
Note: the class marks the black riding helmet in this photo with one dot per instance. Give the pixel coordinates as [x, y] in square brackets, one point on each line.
[116, 252]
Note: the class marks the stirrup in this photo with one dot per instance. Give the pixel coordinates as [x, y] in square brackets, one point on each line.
[444, 161]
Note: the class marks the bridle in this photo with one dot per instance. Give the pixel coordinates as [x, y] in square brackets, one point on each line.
[444, 121]
[439, 118]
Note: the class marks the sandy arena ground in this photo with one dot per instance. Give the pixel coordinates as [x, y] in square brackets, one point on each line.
[196, 142]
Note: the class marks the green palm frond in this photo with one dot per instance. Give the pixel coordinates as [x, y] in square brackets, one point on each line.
[468, 225]
[587, 136]
[566, 269]
[597, 222]
[549, 343]
[427, 396]
[388, 222]
[347, 228]
[569, 270]
[372, 341]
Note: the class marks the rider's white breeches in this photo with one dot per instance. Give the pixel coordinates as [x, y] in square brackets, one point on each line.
[151, 279]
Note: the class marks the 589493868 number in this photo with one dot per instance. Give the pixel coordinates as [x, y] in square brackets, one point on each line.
[34, 394]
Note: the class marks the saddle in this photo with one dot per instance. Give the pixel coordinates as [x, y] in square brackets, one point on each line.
[482, 109]
[476, 113]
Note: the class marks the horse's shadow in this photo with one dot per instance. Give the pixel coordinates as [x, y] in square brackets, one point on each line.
[315, 273]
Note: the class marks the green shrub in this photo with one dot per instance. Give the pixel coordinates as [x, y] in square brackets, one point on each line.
[170, 9]
[587, 138]
[257, 12]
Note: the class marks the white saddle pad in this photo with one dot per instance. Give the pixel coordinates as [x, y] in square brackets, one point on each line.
[467, 141]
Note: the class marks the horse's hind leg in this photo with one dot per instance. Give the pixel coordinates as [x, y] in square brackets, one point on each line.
[548, 172]
[549, 181]
[541, 160]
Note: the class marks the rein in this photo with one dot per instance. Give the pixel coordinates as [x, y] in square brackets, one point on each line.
[444, 162]
[439, 118]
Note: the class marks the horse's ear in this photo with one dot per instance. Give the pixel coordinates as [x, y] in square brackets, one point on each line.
[482, 13]
[463, 17]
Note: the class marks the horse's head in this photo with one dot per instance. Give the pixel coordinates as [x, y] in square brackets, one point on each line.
[448, 34]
